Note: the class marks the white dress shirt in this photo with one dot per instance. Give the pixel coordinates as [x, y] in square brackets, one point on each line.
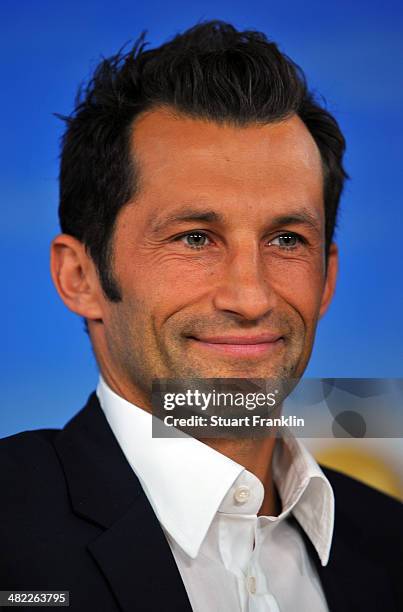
[230, 559]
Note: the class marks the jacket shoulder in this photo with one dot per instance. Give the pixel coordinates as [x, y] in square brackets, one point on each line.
[27, 459]
[367, 516]
[21, 445]
[354, 497]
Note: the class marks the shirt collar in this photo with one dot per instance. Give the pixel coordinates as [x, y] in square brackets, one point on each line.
[306, 492]
[186, 481]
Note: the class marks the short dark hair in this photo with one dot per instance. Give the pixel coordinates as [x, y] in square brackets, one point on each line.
[211, 71]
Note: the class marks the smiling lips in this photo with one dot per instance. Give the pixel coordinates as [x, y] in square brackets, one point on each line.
[241, 346]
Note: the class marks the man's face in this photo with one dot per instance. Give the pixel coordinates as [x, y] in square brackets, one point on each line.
[220, 258]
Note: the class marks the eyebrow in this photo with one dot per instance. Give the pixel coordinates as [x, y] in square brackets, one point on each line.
[186, 214]
[302, 216]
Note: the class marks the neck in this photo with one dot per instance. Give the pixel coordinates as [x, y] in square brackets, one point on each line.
[256, 456]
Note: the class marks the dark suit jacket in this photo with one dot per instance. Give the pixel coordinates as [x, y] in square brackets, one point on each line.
[74, 517]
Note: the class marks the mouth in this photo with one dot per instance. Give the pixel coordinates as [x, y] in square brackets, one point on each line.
[240, 346]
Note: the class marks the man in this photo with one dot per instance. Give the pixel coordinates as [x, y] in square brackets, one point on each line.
[199, 190]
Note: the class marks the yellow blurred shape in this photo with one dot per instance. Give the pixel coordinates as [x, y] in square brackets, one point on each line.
[368, 468]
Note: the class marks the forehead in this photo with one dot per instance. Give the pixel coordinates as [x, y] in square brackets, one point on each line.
[178, 156]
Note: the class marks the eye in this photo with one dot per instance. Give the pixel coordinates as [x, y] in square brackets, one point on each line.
[287, 241]
[194, 240]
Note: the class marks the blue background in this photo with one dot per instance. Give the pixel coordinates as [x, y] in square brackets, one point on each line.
[351, 52]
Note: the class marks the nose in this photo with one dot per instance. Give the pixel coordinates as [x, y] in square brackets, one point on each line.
[244, 287]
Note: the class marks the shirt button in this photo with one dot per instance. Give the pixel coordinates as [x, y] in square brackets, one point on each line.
[242, 494]
[251, 584]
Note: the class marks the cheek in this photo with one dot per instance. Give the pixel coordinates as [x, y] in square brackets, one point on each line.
[300, 284]
[164, 284]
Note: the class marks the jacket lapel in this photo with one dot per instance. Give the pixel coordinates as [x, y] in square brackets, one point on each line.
[352, 582]
[131, 551]
[138, 564]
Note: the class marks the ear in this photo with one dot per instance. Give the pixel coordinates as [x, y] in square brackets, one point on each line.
[331, 276]
[75, 277]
